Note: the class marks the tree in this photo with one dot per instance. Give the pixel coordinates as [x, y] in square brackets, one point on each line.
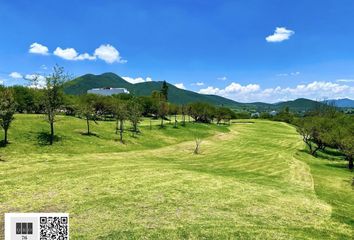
[120, 113]
[53, 96]
[315, 132]
[223, 113]
[343, 135]
[164, 90]
[163, 111]
[202, 112]
[173, 110]
[305, 128]
[7, 111]
[87, 109]
[183, 112]
[135, 113]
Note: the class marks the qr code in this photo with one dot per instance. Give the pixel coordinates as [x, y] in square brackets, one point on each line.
[53, 228]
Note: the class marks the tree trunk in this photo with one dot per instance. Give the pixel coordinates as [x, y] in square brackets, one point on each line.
[313, 152]
[350, 165]
[88, 125]
[117, 128]
[5, 137]
[162, 122]
[51, 139]
[121, 131]
[175, 120]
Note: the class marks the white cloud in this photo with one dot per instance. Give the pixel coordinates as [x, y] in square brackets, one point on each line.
[345, 80]
[2, 82]
[72, 54]
[137, 80]
[210, 90]
[222, 78]
[288, 74]
[105, 52]
[38, 48]
[109, 54]
[180, 85]
[85, 56]
[280, 34]
[16, 75]
[233, 88]
[68, 53]
[197, 84]
[37, 81]
[317, 90]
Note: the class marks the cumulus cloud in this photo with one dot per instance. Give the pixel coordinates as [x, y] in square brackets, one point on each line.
[38, 48]
[233, 88]
[109, 54]
[180, 85]
[105, 52]
[137, 80]
[16, 75]
[280, 34]
[316, 90]
[37, 81]
[210, 90]
[67, 54]
[72, 54]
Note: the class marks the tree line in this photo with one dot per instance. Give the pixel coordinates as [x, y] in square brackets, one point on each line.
[51, 100]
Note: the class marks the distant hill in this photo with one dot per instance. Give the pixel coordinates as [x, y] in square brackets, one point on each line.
[300, 104]
[344, 102]
[176, 95]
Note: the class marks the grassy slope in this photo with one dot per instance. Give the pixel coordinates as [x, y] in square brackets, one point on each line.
[250, 182]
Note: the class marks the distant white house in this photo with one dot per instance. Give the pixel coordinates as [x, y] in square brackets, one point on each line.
[255, 115]
[273, 113]
[107, 91]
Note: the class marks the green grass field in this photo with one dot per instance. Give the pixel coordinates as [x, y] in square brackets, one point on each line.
[251, 181]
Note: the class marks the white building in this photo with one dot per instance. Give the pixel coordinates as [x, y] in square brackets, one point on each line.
[107, 91]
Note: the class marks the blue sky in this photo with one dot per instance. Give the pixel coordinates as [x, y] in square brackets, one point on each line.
[248, 51]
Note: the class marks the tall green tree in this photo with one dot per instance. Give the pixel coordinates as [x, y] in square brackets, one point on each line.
[7, 111]
[163, 111]
[164, 90]
[120, 112]
[135, 113]
[183, 112]
[87, 109]
[53, 96]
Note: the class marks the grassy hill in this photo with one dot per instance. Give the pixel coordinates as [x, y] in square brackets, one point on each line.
[251, 181]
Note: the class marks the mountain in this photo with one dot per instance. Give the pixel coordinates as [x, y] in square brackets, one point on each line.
[176, 95]
[344, 102]
[299, 105]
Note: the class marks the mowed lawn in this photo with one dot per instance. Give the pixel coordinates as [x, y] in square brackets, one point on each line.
[251, 181]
